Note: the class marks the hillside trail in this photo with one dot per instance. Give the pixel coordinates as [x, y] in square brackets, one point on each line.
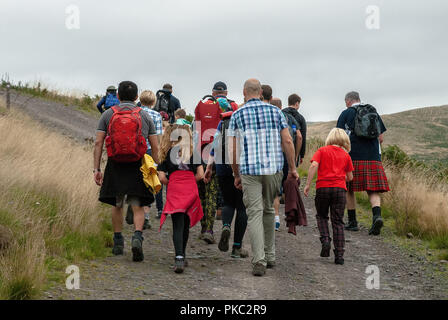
[300, 272]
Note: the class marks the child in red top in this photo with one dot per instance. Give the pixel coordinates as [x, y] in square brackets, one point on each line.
[334, 167]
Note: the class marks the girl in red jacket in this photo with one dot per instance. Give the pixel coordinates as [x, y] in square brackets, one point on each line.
[334, 167]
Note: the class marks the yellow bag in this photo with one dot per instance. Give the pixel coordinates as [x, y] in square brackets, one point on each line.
[150, 177]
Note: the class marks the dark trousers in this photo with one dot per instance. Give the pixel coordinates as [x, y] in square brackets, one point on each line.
[233, 201]
[159, 200]
[181, 231]
[333, 200]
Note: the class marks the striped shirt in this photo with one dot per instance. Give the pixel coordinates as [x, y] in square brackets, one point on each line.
[258, 125]
[157, 119]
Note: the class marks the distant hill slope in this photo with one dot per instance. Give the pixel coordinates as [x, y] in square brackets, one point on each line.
[422, 133]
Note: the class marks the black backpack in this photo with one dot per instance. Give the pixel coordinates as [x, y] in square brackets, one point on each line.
[367, 122]
[163, 102]
[291, 124]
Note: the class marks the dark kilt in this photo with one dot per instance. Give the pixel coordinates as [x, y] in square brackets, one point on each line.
[124, 179]
[368, 176]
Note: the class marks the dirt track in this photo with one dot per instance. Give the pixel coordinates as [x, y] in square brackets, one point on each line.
[300, 272]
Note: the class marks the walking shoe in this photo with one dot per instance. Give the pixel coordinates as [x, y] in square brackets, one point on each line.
[224, 241]
[259, 270]
[146, 225]
[352, 226]
[277, 226]
[270, 264]
[376, 226]
[339, 260]
[129, 215]
[179, 265]
[118, 248]
[208, 237]
[326, 247]
[137, 249]
[239, 253]
[159, 214]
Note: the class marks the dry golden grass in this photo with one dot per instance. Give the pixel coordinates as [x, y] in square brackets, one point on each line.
[46, 193]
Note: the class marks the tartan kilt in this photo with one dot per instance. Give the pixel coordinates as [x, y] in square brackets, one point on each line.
[368, 176]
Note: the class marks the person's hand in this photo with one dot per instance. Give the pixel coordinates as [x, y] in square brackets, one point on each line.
[207, 175]
[306, 191]
[238, 183]
[98, 177]
[293, 174]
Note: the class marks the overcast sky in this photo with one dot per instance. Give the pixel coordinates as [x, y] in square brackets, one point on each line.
[320, 49]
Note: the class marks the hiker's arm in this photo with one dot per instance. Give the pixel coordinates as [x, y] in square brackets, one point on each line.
[97, 153]
[381, 138]
[100, 105]
[311, 173]
[288, 147]
[349, 176]
[234, 153]
[153, 141]
[299, 140]
[199, 173]
[162, 177]
[209, 170]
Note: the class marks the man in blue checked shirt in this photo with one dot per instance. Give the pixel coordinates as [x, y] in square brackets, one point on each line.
[259, 132]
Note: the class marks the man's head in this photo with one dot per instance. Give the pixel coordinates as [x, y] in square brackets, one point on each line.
[148, 98]
[168, 87]
[294, 101]
[252, 89]
[127, 91]
[180, 114]
[219, 89]
[352, 98]
[277, 102]
[111, 89]
[266, 93]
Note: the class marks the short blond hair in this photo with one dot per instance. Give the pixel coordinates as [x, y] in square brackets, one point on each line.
[339, 138]
[148, 98]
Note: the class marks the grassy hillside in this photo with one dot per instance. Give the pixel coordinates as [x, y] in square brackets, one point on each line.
[49, 213]
[421, 133]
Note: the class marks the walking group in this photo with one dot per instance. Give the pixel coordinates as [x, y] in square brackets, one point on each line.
[239, 160]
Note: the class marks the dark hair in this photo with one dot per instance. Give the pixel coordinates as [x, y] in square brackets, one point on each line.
[180, 113]
[293, 99]
[127, 91]
[267, 92]
[167, 86]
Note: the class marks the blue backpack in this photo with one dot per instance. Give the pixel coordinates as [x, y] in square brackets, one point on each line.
[111, 100]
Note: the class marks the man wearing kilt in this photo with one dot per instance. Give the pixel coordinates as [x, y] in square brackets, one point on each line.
[369, 173]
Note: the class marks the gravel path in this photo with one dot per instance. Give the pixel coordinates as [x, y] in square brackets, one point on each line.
[300, 272]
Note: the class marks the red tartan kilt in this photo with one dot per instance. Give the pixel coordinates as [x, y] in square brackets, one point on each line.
[368, 176]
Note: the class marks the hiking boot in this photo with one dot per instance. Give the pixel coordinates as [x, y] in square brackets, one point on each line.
[129, 215]
[118, 248]
[146, 225]
[137, 249]
[224, 241]
[239, 253]
[326, 247]
[209, 238]
[376, 226]
[339, 260]
[179, 265]
[159, 214]
[259, 270]
[270, 264]
[352, 226]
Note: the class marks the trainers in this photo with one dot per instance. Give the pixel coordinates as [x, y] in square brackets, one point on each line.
[277, 226]
[208, 237]
[259, 270]
[352, 226]
[339, 260]
[118, 248]
[179, 265]
[129, 215]
[137, 249]
[270, 264]
[239, 253]
[146, 225]
[325, 252]
[376, 226]
[159, 214]
[224, 241]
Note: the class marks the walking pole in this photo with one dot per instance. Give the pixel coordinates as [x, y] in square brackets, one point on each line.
[8, 98]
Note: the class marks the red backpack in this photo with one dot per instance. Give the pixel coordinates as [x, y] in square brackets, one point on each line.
[208, 113]
[125, 142]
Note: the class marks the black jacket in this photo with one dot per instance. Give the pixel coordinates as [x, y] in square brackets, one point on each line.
[302, 127]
